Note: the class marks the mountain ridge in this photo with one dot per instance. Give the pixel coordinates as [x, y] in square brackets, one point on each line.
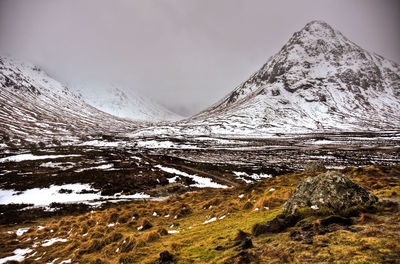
[34, 107]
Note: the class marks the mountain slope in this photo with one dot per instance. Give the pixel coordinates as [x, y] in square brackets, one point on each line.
[124, 103]
[35, 107]
[318, 80]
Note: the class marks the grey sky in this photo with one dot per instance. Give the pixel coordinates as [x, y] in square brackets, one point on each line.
[185, 54]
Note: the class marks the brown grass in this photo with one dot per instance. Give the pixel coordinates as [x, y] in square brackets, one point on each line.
[367, 218]
[128, 244]
[152, 236]
[378, 240]
[373, 232]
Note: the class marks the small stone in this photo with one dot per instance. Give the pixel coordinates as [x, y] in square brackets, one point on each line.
[247, 243]
[166, 257]
[219, 248]
[355, 229]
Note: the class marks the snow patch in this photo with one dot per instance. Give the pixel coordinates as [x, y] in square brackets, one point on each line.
[51, 241]
[19, 255]
[314, 207]
[28, 156]
[200, 181]
[46, 196]
[163, 144]
[21, 231]
[98, 143]
[210, 220]
[101, 167]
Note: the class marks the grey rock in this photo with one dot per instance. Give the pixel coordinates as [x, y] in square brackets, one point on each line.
[331, 190]
[314, 166]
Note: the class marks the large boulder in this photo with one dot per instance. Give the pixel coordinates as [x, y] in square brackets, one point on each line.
[331, 190]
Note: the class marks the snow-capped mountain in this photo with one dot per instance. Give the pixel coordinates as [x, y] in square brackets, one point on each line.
[123, 103]
[35, 107]
[318, 81]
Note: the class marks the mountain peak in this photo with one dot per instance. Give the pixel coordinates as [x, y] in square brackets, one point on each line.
[318, 26]
[317, 30]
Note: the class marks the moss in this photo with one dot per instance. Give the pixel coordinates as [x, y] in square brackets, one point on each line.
[306, 212]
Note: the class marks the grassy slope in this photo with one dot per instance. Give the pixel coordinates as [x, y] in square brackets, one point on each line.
[92, 240]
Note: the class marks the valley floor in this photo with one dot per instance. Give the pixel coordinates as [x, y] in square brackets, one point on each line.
[203, 227]
[126, 200]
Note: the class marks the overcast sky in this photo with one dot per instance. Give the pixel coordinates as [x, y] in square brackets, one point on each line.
[184, 54]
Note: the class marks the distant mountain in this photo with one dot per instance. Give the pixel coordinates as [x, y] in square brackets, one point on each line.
[318, 81]
[35, 107]
[124, 103]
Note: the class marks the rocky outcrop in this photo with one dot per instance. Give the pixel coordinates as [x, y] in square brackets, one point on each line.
[331, 190]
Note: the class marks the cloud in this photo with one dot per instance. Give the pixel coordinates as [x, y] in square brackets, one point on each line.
[184, 54]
